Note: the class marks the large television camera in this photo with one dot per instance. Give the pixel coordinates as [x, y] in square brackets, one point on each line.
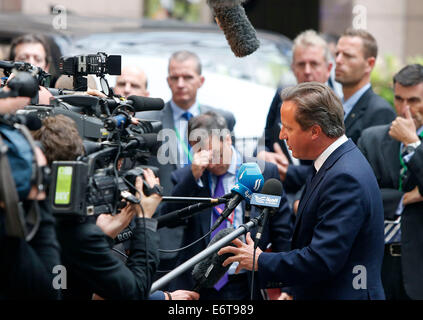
[99, 64]
[94, 184]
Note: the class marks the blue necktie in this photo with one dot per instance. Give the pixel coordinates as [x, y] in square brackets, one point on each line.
[218, 192]
[187, 115]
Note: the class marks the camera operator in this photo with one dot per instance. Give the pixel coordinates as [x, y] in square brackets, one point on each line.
[60, 141]
[91, 266]
[28, 250]
[87, 242]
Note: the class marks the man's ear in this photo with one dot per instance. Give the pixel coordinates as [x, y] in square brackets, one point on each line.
[202, 79]
[371, 62]
[316, 132]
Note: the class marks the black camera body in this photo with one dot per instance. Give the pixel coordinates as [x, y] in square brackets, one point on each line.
[85, 188]
[98, 64]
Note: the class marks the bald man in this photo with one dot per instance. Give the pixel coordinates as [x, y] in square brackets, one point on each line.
[132, 81]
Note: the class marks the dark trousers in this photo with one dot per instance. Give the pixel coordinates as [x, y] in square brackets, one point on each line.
[392, 277]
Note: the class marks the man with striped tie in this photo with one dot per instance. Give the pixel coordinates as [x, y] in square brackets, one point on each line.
[395, 153]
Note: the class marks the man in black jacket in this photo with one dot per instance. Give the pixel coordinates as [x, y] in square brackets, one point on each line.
[356, 54]
[395, 153]
[213, 172]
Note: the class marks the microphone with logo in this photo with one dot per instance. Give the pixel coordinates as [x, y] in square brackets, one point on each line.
[250, 180]
[269, 200]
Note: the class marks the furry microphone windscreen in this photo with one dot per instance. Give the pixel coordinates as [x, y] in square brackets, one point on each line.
[208, 272]
[239, 32]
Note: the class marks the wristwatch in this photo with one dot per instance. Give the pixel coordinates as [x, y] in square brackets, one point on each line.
[410, 148]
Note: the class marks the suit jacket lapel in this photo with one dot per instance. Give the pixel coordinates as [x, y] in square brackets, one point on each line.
[311, 186]
[359, 108]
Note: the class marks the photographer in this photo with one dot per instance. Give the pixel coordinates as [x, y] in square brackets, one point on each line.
[28, 247]
[92, 268]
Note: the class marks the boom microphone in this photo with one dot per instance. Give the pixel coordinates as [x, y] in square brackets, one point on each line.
[249, 179]
[209, 271]
[238, 30]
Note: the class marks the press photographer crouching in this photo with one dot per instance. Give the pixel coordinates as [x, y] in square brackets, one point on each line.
[86, 241]
[29, 250]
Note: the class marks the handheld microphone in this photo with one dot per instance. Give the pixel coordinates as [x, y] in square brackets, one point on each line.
[238, 30]
[249, 179]
[208, 272]
[269, 199]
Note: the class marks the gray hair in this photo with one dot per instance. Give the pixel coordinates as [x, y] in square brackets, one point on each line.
[310, 38]
[206, 125]
[318, 105]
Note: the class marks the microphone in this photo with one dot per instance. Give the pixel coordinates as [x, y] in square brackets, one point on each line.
[269, 199]
[208, 272]
[249, 178]
[146, 104]
[147, 140]
[238, 30]
[195, 199]
[171, 219]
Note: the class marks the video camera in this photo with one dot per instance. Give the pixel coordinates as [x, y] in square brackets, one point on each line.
[26, 79]
[99, 64]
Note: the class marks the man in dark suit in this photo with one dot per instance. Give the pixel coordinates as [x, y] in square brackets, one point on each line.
[356, 54]
[337, 244]
[184, 80]
[213, 172]
[396, 155]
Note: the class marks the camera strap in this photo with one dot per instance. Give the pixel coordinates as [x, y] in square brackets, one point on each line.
[9, 199]
[17, 222]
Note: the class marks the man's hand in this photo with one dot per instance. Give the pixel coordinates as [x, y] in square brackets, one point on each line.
[285, 296]
[113, 225]
[149, 204]
[278, 158]
[184, 295]
[412, 196]
[243, 253]
[200, 162]
[404, 129]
